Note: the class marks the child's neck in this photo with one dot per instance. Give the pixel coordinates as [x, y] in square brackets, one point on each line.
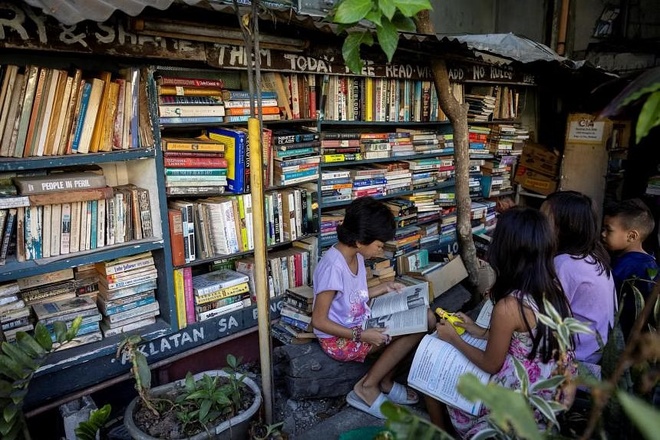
[634, 247]
[349, 252]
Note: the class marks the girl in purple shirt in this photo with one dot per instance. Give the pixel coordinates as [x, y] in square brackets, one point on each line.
[583, 268]
[341, 306]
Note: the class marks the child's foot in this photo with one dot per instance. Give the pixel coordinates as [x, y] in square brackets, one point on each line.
[400, 394]
[367, 393]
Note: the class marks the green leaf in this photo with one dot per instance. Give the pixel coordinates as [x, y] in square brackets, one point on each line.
[577, 326]
[388, 38]
[352, 11]
[5, 388]
[19, 356]
[28, 344]
[547, 384]
[649, 116]
[564, 336]
[42, 336]
[403, 23]
[522, 375]
[60, 329]
[551, 312]
[639, 300]
[639, 93]
[547, 322]
[374, 17]
[651, 272]
[10, 368]
[410, 8]
[508, 408]
[351, 49]
[545, 409]
[387, 7]
[143, 370]
[75, 327]
[11, 430]
[645, 418]
[189, 382]
[204, 409]
[486, 434]
[10, 412]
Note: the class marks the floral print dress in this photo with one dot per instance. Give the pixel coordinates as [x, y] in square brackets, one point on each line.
[468, 425]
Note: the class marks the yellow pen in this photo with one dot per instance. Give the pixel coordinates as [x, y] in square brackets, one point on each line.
[451, 318]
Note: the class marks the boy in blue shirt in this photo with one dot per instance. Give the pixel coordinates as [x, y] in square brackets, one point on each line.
[625, 227]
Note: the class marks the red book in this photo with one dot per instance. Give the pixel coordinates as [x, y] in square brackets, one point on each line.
[195, 162]
[192, 154]
[176, 237]
[189, 295]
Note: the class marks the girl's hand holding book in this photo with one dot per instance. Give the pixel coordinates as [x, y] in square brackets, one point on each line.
[375, 336]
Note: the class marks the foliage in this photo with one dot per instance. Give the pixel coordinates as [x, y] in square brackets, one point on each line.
[18, 363]
[387, 16]
[645, 88]
[87, 430]
[198, 403]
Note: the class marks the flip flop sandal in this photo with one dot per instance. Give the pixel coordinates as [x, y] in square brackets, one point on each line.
[399, 394]
[356, 402]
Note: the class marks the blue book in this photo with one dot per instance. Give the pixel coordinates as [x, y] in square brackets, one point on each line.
[84, 101]
[233, 95]
[93, 225]
[236, 153]
[128, 306]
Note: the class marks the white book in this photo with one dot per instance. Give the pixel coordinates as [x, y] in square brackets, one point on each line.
[120, 220]
[298, 211]
[148, 309]
[84, 225]
[437, 367]
[110, 221]
[402, 312]
[74, 242]
[46, 232]
[88, 226]
[65, 235]
[56, 218]
[48, 110]
[6, 94]
[100, 225]
[90, 115]
[231, 223]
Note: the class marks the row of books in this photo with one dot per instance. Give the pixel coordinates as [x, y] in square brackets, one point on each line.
[215, 226]
[294, 325]
[49, 112]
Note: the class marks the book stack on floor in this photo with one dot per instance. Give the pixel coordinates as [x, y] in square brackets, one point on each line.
[194, 166]
[219, 292]
[336, 186]
[66, 311]
[237, 105]
[397, 176]
[14, 314]
[127, 293]
[52, 112]
[184, 101]
[379, 270]
[294, 325]
[295, 157]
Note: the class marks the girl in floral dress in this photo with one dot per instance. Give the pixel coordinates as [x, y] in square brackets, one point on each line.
[521, 253]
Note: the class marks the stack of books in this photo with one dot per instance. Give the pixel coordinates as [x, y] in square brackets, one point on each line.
[430, 234]
[378, 145]
[296, 156]
[340, 145]
[86, 280]
[479, 144]
[336, 186]
[397, 175]
[329, 222]
[402, 144]
[404, 211]
[66, 311]
[426, 142]
[481, 106]
[405, 240]
[368, 181]
[237, 105]
[189, 100]
[424, 172]
[294, 327]
[379, 270]
[219, 292]
[127, 293]
[14, 315]
[194, 166]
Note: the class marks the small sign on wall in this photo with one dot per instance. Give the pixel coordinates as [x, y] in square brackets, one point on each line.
[585, 129]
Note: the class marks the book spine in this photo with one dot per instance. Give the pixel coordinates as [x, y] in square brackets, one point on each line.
[214, 294]
[194, 162]
[176, 237]
[190, 82]
[179, 296]
[189, 295]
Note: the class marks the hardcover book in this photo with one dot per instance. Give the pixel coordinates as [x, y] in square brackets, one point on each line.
[56, 182]
[216, 280]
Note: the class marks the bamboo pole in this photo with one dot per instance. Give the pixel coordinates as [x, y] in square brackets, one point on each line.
[260, 276]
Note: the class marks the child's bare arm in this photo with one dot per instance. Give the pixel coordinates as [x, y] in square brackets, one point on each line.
[320, 318]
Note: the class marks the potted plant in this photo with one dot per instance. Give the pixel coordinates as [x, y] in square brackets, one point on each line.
[216, 404]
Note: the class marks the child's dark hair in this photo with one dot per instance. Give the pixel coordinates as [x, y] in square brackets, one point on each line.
[633, 214]
[522, 252]
[366, 220]
[576, 226]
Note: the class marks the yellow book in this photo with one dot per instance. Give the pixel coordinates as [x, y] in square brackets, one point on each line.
[242, 223]
[238, 289]
[110, 116]
[179, 297]
[201, 143]
[369, 101]
[97, 134]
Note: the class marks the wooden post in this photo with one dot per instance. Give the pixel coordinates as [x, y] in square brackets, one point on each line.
[260, 275]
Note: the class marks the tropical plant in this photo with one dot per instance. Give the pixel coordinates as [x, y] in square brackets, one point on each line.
[18, 363]
[88, 429]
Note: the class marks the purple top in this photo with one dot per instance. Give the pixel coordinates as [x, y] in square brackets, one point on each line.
[592, 298]
[350, 306]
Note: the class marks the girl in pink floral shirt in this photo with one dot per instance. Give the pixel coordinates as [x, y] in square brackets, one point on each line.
[521, 253]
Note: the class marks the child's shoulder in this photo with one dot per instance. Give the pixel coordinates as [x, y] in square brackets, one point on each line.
[633, 264]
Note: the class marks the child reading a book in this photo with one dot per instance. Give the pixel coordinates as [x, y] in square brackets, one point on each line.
[625, 227]
[341, 307]
[521, 254]
[583, 268]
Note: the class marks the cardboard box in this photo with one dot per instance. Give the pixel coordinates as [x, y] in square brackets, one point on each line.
[534, 181]
[445, 277]
[538, 158]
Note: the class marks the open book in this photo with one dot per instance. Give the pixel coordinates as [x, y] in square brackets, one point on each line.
[438, 365]
[402, 312]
